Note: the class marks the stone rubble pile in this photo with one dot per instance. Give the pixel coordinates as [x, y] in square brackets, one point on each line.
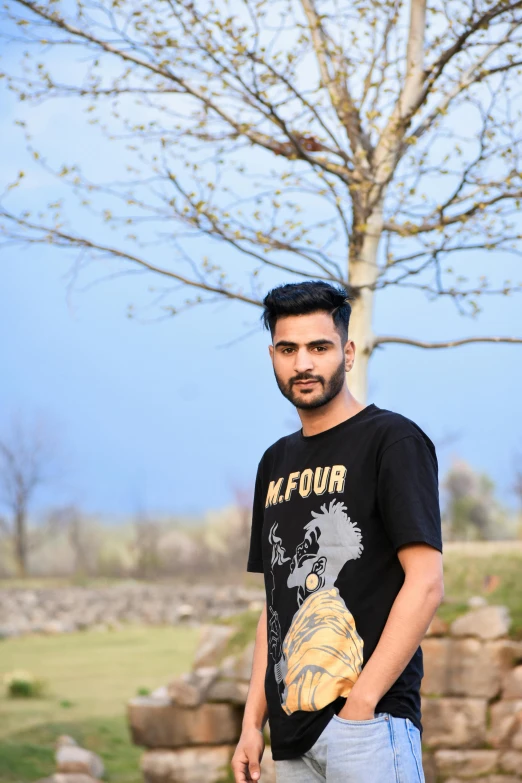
[63, 610]
[471, 707]
[75, 764]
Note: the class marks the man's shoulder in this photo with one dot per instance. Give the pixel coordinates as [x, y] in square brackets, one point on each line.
[392, 426]
[385, 427]
[277, 446]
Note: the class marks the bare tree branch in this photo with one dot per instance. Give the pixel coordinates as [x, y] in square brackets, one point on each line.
[381, 340]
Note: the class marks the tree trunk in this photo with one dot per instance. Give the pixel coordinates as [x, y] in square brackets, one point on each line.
[363, 272]
[20, 542]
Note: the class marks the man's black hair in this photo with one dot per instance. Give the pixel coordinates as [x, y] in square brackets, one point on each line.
[308, 297]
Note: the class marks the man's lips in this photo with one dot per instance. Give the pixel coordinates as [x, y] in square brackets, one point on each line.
[304, 383]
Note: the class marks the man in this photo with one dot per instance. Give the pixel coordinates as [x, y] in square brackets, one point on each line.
[346, 529]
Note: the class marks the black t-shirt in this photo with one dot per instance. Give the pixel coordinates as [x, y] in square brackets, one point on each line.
[330, 511]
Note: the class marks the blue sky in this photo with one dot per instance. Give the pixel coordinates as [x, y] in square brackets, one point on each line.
[163, 415]
[166, 416]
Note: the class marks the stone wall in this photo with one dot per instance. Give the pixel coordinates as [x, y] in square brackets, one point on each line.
[69, 609]
[471, 707]
[472, 699]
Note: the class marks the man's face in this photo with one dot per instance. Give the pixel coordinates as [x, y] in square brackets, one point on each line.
[309, 362]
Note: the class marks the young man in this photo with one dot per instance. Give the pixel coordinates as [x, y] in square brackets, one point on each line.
[346, 529]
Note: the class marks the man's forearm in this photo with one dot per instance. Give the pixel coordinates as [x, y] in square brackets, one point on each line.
[256, 713]
[407, 623]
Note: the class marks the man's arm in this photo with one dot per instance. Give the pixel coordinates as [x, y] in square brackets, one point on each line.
[256, 714]
[408, 621]
[249, 751]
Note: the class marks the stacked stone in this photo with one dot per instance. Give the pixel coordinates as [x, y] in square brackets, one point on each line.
[471, 707]
[472, 699]
[191, 726]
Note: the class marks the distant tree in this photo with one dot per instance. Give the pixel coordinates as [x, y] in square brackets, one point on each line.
[517, 488]
[84, 539]
[27, 462]
[146, 546]
[373, 143]
[471, 509]
[239, 538]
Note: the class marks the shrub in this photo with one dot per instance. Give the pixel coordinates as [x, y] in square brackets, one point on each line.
[23, 684]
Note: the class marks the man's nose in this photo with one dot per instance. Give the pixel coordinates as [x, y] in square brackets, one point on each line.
[303, 361]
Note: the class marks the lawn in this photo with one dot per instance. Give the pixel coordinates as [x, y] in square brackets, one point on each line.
[90, 677]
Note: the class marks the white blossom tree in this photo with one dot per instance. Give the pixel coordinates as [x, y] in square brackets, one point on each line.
[372, 143]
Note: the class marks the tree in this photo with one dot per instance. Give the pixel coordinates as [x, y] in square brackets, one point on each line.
[146, 545]
[27, 454]
[371, 143]
[473, 513]
[84, 539]
[517, 488]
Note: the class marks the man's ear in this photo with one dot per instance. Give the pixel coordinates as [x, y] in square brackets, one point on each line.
[271, 351]
[349, 354]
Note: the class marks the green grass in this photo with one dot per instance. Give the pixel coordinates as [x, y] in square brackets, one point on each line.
[90, 678]
[465, 572]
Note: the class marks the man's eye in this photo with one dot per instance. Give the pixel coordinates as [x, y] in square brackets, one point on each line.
[320, 347]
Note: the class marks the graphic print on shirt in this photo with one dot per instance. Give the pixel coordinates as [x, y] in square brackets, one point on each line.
[321, 655]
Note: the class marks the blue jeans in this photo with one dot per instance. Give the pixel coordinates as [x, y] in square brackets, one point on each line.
[383, 749]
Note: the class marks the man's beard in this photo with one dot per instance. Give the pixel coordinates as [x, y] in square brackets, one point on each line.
[331, 388]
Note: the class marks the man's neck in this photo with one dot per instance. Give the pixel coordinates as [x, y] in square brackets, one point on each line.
[342, 407]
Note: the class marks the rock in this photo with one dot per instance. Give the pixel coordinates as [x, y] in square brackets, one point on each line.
[53, 627]
[428, 765]
[489, 622]
[500, 779]
[487, 779]
[185, 612]
[157, 723]
[435, 654]
[466, 763]
[228, 690]
[506, 724]
[512, 684]
[437, 627]
[461, 667]
[476, 601]
[511, 761]
[197, 764]
[238, 667]
[508, 652]
[187, 765]
[245, 661]
[72, 758]
[62, 610]
[7, 631]
[61, 777]
[190, 688]
[453, 722]
[160, 693]
[213, 640]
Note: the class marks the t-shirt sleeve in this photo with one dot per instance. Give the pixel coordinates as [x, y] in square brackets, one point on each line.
[255, 555]
[408, 493]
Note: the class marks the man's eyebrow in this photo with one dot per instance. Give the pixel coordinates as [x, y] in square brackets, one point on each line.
[311, 344]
